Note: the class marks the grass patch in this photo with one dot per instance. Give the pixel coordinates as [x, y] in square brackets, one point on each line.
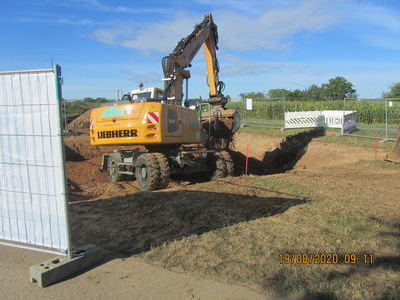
[332, 136]
[382, 164]
[248, 252]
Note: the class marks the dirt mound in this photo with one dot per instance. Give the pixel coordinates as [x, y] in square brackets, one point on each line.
[81, 122]
[81, 145]
[86, 172]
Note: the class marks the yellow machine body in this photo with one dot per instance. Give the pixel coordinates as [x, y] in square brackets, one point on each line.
[144, 123]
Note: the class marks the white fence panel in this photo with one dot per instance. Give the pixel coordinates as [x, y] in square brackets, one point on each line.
[32, 186]
[303, 119]
[345, 120]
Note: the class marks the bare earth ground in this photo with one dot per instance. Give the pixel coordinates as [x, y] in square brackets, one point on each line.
[324, 197]
[119, 279]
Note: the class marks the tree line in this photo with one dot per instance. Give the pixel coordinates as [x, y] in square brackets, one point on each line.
[337, 88]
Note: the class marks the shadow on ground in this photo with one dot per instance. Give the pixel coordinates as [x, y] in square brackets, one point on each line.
[280, 160]
[137, 222]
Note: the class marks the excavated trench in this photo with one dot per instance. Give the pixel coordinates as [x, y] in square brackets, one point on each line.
[279, 160]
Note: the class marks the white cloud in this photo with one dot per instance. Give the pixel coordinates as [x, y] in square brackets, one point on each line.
[61, 20]
[235, 66]
[272, 27]
[112, 36]
[237, 31]
[375, 24]
[99, 5]
[162, 36]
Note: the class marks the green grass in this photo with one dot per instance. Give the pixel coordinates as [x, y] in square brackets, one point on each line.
[332, 136]
[248, 252]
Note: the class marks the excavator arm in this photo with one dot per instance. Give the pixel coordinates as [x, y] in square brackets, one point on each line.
[175, 65]
[218, 124]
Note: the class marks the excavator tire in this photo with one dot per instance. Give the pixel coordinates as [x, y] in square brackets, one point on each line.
[147, 172]
[218, 166]
[230, 166]
[165, 171]
[113, 167]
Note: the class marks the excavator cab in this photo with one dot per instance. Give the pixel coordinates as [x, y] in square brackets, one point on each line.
[141, 95]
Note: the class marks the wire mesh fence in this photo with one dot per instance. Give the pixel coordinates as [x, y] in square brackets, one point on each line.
[260, 112]
[375, 117]
[33, 207]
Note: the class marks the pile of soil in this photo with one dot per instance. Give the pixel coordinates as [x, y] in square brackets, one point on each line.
[81, 122]
[86, 172]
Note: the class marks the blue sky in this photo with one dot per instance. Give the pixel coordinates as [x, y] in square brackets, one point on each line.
[106, 45]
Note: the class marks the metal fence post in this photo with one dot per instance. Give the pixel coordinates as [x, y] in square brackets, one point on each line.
[386, 119]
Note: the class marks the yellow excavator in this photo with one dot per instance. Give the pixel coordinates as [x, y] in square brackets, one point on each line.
[178, 137]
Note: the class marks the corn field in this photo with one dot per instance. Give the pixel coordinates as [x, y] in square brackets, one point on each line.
[369, 112]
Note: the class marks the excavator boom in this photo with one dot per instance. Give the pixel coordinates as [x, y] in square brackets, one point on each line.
[218, 124]
[175, 65]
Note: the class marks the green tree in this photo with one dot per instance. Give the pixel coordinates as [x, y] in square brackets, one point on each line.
[339, 88]
[278, 93]
[252, 95]
[295, 95]
[314, 92]
[394, 91]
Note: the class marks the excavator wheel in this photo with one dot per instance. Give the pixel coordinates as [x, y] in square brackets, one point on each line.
[230, 166]
[165, 171]
[147, 172]
[114, 168]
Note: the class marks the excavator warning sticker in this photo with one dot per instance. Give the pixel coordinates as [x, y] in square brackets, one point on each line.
[153, 117]
[91, 123]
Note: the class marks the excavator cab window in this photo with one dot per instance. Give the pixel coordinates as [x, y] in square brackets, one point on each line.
[126, 97]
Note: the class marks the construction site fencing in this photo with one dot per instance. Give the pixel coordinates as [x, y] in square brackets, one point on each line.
[377, 118]
[33, 200]
[260, 112]
[270, 112]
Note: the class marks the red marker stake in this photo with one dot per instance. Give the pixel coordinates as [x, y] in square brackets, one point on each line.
[247, 159]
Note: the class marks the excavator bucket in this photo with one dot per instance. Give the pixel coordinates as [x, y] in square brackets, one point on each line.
[394, 155]
[219, 126]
